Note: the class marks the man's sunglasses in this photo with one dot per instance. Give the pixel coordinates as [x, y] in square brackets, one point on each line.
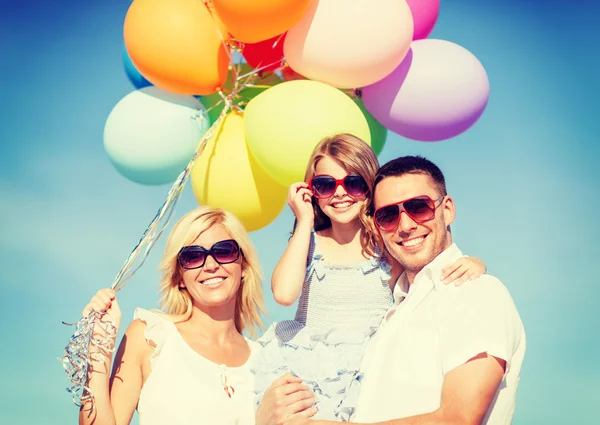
[420, 209]
[323, 186]
[223, 252]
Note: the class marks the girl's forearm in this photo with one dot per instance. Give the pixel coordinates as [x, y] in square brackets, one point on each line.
[288, 276]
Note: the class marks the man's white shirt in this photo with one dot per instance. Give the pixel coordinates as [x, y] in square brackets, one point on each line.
[432, 329]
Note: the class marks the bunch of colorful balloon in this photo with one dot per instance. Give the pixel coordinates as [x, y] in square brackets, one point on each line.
[310, 68]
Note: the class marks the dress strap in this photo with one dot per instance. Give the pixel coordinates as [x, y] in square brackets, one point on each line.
[379, 264]
[157, 328]
[314, 261]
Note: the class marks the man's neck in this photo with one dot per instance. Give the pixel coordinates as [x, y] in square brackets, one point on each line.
[412, 274]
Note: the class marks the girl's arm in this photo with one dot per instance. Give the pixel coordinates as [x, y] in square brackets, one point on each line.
[462, 270]
[459, 272]
[288, 276]
[115, 397]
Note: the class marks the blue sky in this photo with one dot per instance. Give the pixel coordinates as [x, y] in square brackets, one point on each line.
[524, 180]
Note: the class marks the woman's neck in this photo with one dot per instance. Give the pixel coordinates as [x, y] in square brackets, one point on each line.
[217, 324]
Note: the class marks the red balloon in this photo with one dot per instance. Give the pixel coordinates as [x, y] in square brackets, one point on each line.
[268, 52]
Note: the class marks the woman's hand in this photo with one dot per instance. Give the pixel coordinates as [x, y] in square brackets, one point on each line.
[105, 301]
[300, 201]
[463, 270]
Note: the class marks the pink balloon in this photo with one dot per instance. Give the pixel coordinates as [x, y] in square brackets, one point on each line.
[425, 14]
[439, 90]
[349, 44]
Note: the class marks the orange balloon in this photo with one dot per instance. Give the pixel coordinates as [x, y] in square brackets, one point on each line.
[177, 45]
[251, 21]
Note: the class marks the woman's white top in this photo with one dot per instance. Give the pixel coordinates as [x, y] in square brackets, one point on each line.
[185, 388]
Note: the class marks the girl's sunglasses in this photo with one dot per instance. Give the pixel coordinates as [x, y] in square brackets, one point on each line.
[420, 209]
[324, 186]
[194, 256]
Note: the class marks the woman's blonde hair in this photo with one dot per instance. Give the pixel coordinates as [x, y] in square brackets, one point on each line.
[177, 302]
[355, 156]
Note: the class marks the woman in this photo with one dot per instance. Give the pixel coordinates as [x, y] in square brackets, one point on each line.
[190, 362]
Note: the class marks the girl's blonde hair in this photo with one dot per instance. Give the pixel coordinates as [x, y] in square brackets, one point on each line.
[177, 302]
[355, 156]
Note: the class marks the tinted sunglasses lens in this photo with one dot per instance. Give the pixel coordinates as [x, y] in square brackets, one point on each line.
[356, 185]
[420, 209]
[387, 217]
[323, 186]
[192, 257]
[226, 252]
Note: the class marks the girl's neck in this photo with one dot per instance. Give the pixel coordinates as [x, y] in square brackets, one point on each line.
[345, 233]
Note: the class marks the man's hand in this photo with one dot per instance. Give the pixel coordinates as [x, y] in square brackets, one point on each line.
[286, 397]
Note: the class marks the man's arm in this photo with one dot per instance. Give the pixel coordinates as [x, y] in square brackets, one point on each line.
[467, 393]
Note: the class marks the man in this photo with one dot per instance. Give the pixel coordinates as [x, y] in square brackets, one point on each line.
[443, 354]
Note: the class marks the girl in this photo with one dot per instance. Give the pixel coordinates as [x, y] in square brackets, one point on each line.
[343, 279]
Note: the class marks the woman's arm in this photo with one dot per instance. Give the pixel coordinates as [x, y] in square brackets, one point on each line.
[288, 276]
[116, 397]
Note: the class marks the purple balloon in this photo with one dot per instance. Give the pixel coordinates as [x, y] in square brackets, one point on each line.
[438, 91]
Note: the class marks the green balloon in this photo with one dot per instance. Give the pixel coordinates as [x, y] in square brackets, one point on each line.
[243, 97]
[378, 131]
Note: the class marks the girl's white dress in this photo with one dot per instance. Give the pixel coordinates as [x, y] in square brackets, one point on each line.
[340, 308]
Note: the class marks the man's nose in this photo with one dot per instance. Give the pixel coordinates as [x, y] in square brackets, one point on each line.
[406, 224]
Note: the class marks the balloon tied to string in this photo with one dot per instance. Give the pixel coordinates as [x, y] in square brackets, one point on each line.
[93, 340]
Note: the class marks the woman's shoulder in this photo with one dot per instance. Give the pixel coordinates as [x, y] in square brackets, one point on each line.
[148, 328]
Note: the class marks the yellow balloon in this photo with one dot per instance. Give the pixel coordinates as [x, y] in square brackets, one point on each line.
[284, 124]
[227, 176]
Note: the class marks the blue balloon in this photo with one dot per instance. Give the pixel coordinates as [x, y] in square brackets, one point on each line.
[137, 79]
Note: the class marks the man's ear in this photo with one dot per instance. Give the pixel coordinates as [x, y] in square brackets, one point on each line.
[449, 211]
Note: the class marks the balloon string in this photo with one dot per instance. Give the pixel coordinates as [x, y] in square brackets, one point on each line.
[262, 68]
[77, 357]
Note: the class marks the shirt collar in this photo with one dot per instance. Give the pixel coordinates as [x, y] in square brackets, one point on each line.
[401, 288]
[433, 270]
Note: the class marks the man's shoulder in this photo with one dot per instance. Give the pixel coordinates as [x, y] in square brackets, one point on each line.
[482, 291]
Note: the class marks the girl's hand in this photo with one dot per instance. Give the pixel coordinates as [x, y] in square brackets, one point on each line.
[462, 270]
[105, 301]
[300, 201]
[286, 397]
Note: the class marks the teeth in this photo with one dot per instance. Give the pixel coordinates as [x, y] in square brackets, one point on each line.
[213, 281]
[342, 204]
[413, 242]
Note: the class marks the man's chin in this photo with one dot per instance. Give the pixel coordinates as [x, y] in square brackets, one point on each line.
[413, 261]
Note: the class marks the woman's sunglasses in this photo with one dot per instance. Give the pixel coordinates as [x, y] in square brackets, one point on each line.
[420, 209]
[324, 186]
[194, 256]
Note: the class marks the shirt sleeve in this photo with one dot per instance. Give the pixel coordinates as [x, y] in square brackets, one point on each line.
[480, 317]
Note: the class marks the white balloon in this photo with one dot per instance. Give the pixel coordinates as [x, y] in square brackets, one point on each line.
[151, 134]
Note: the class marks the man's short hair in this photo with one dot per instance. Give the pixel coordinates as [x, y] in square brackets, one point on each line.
[412, 165]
